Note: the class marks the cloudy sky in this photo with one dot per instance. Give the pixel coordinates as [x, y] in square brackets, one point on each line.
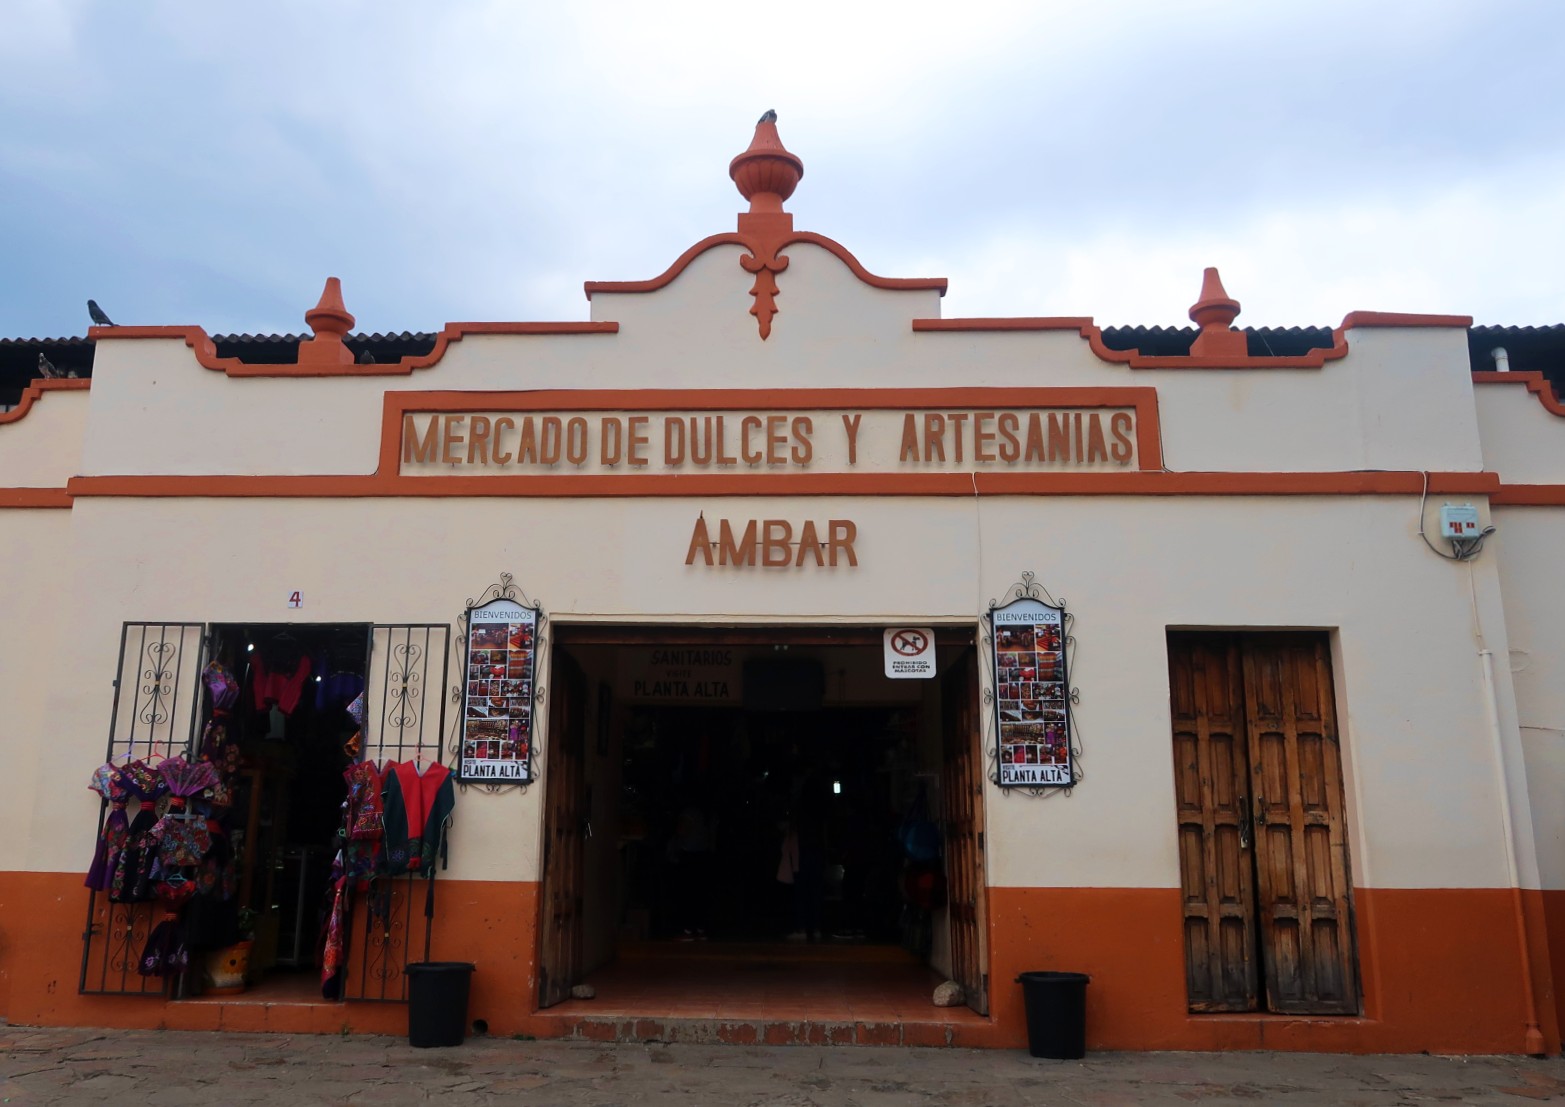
[198, 163]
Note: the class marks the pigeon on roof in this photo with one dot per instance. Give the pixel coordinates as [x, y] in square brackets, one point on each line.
[98, 315]
[46, 368]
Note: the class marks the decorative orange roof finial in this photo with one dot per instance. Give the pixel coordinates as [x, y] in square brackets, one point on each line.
[330, 320]
[1215, 313]
[766, 175]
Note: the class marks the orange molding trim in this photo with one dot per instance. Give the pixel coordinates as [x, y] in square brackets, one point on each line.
[34, 497]
[1084, 326]
[1529, 495]
[731, 238]
[1536, 383]
[1355, 319]
[776, 484]
[206, 352]
[35, 392]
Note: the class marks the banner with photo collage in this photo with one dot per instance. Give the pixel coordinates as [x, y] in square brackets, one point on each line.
[1032, 695]
[497, 697]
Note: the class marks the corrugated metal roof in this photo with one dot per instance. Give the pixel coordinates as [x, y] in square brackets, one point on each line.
[1259, 341]
[359, 337]
[281, 349]
[19, 362]
[1529, 349]
[1555, 330]
[35, 342]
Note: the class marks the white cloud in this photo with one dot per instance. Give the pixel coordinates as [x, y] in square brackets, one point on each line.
[475, 159]
[1453, 249]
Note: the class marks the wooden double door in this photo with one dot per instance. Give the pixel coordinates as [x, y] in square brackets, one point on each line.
[1263, 850]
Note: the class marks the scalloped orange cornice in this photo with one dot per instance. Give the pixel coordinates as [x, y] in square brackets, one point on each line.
[1089, 330]
[765, 237]
[35, 391]
[1536, 383]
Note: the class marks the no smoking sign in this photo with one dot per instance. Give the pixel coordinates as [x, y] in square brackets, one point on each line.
[910, 652]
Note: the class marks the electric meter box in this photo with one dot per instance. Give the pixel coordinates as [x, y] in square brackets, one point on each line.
[1459, 521]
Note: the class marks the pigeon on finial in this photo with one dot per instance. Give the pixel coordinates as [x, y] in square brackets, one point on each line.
[46, 367]
[769, 117]
[98, 315]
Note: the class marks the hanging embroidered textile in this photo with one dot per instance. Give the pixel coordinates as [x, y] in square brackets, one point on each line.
[108, 783]
[130, 879]
[418, 809]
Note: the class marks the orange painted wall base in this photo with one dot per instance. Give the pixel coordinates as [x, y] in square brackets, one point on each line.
[1549, 920]
[1441, 971]
[490, 923]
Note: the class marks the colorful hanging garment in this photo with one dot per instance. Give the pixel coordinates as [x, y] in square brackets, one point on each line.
[334, 949]
[221, 686]
[355, 866]
[107, 782]
[130, 878]
[418, 809]
[181, 840]
[165, 953]
[365, 814]
[278, 685]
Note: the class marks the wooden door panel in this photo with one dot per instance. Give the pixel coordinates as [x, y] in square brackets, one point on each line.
[1302, 878]
[560, 898]
[1236, 964]
[1212, 796]
[962, 794]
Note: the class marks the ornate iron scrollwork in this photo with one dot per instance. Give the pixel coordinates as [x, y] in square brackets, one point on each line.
[1028, 588]
[503, 589]
[405, 690]
[157, 681]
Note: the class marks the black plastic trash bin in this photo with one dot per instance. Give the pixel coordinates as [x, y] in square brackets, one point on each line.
[1056, 1014]
[437, 1002]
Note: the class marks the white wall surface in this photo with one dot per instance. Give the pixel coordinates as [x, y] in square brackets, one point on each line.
[1528, 545]
[1400, 400]
[43, 448]
[1413, 723]
[37, 680]
[1522, 440]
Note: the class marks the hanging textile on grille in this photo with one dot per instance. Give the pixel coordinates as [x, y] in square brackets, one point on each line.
[108, 782]
[183, 837]
[419, 806]
[354, 868]
[130, 877]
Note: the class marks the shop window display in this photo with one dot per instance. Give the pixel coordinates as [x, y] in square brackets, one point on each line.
[274, 824]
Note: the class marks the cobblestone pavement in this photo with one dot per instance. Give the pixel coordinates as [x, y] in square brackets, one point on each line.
[171, 1069]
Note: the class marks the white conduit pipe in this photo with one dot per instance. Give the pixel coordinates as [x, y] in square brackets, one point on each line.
[1502, 359]
[1533, 1039]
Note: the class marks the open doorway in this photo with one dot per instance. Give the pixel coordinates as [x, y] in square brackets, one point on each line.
[749, 825]
[721, 801]
[292, 736]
